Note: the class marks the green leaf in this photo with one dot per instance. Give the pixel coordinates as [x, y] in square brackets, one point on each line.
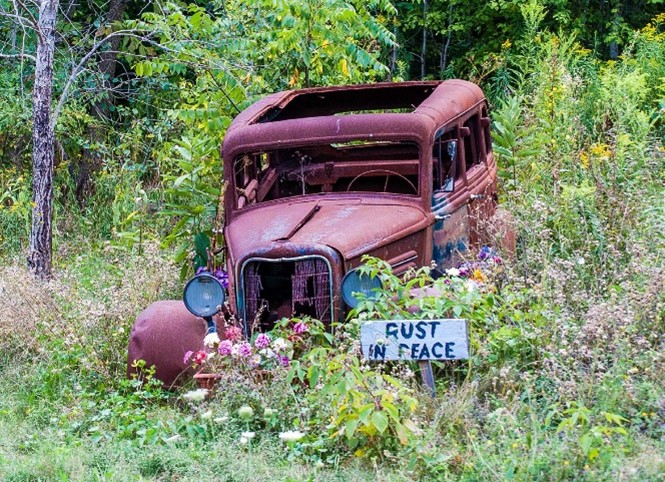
[350, 427]
[380, 421]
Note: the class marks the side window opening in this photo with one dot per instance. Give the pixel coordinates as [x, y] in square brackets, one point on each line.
[485, 125]
[444, 158]
[471, 137]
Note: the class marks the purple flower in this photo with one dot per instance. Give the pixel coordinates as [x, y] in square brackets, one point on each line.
[300, 328]
[223, 277]
[262, 341]
[497, 260]
[486, 252]
[244, 350]
[225, 347]
[201, 269]
[284, 360]
[187, 356]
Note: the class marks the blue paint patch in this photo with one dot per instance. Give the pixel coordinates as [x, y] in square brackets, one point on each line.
[443, 254]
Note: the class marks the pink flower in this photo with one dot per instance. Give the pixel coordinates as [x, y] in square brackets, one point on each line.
[199, 357]
[187, 356]
[233, 333]
[262, 341]
[300, 328]
[244, 350]
[225, 347]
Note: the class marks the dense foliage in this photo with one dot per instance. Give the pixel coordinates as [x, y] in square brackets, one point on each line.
[567, 375]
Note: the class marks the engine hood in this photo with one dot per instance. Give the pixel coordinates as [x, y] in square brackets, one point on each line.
[351, 226]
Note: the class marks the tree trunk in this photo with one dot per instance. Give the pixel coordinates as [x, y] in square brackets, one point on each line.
[423, 50]
[443, 63]
[40, 248]
[101, 109]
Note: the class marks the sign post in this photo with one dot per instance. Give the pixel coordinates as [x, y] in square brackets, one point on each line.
[419, 340]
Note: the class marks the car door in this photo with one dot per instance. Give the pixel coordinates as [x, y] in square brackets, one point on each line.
[479, 180]
[449, 199]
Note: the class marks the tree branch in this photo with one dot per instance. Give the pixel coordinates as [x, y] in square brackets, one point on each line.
[18, 56]
[78, 68]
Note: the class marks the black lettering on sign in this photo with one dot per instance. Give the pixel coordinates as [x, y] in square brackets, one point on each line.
[434, 324]
[391, 330]
[414, 351]
[403, 349]
[420, 329]
[424, 353]
[435, 347]
[449, 349]
[407, 330]
[379, 352]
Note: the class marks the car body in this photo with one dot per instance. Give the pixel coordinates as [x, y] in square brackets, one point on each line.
[318, 178]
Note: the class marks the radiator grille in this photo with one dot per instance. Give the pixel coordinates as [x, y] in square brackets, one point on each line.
[286, 288]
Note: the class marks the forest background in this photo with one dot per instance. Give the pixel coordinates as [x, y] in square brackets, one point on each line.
[568, 377]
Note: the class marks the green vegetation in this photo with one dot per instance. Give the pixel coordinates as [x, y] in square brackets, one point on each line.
[567, 375]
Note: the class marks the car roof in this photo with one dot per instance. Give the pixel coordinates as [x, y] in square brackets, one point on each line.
[390, 111]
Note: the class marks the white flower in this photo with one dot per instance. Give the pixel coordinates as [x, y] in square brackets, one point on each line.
[452, 272]
[244, 440]
[581, 261]
[268, 353]
[291, 436]
[211, 340]
[197, 395]
[206, 415]
[221, 419]
[470, 285]
[280, 344]
[249, 435]
[246, 412]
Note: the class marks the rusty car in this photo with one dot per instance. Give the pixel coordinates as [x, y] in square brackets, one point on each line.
[315, 180]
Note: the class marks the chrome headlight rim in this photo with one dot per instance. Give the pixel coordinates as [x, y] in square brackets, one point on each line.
[353, 276]
[217, 306]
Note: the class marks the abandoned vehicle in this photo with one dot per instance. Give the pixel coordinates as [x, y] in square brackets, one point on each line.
[317, 178]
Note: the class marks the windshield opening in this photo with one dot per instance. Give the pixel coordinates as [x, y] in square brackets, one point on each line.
[351, 166]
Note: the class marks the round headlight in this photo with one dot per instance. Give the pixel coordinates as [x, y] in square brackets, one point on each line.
[203, 295]
[356, 282]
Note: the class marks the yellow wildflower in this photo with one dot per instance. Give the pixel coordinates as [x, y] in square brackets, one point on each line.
[584, 160]
[506, 45]
[479, 276]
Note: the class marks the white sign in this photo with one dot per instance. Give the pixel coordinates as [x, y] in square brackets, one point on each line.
[415, 340]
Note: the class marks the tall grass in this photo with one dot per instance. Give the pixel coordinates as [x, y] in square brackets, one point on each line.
[566, 383]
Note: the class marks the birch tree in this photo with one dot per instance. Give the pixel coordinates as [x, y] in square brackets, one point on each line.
[38, 19]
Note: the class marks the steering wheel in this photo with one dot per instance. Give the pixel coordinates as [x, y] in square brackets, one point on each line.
[388, 173]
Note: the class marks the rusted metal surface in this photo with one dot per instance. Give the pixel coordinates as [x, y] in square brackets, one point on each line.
[161, 336]
[317, 178]
[340, 172]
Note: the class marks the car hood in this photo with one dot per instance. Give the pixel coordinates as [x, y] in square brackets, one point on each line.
[352, 226]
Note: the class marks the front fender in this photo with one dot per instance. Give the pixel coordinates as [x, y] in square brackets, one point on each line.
[161, 335]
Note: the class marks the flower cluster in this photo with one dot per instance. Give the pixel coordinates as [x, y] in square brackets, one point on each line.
[265, 351]
[476, 272]
[219, 273]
